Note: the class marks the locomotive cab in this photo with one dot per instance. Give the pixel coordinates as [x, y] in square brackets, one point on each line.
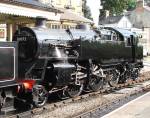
[8, 74]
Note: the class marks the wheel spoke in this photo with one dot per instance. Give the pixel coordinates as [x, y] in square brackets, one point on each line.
[96, 84]
[114, 78]
[95, 80]
[74, 90]
[39, 95]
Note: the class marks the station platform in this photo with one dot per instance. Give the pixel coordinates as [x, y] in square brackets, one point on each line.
[137, 108]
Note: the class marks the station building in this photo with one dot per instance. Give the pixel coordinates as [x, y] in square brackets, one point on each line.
[71, 15]
[17, 13]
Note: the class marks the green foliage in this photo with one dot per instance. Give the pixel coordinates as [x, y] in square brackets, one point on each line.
[115, 6]
[131, 4]
[118, 6]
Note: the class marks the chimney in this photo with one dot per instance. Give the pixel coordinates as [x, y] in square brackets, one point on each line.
[40, 22]
[139, 6]
[107, 13]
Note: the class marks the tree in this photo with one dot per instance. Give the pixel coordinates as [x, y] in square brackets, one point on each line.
[86, 10]
[118, 6]
[131, 5]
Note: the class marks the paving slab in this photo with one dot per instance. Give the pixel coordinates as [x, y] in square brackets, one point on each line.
[138, 108]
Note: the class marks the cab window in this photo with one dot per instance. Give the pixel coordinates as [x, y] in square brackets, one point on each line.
[129, 42]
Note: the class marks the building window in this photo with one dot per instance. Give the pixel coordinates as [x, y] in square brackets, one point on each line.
[52, 27]
[55, 26]
[2, 33]
[65, 26]
[58, 26]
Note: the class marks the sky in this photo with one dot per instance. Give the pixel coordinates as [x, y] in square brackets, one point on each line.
[94, 6]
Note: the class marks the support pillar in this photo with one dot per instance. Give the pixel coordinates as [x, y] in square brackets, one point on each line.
[61, 24]
[9, 32]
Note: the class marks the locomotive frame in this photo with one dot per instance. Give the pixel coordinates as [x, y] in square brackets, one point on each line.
[72, 61]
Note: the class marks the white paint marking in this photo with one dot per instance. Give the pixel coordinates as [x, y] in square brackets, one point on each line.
[107, 115]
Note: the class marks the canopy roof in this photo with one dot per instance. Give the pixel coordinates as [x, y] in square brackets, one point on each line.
[23, 8]
[31, 4]
[68, 15]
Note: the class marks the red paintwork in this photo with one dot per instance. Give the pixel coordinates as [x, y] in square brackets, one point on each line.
[28, 84]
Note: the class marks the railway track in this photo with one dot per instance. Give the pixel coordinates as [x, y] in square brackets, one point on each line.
[144, 81]
[101, 110]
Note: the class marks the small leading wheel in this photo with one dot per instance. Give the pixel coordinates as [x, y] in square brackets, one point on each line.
[61, 95]
[113, 78]
[74, 90]
[40, 95]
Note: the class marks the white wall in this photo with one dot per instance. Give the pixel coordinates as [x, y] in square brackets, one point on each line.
[147, 30]
[145, 39]
[124, 23]
[111, 25]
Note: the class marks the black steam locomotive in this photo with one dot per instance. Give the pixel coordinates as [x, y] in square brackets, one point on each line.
[73, 61]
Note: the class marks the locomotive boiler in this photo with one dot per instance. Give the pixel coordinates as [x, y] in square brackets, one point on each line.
[73, 60]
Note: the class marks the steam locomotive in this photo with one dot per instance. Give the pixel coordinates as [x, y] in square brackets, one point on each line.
[72, 61]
